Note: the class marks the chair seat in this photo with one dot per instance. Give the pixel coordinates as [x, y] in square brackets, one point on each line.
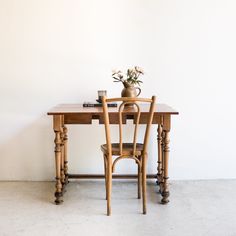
[127, 149]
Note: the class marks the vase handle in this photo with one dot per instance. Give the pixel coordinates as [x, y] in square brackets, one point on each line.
[139, 91]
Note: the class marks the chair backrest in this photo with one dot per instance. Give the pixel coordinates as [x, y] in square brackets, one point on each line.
[125, 105]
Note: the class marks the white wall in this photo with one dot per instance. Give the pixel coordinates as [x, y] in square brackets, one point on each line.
[55, 51]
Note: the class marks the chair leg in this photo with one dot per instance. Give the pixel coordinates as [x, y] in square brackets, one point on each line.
[105, 172]
[139, 181]
[144, 183]
[109, 185]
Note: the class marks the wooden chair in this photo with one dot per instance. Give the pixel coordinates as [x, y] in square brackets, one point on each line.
[134, 150]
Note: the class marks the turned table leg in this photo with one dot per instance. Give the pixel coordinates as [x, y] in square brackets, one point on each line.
[65, 154]
[161, 176]
[57, 122]
[62, 163]
[58, 192]
[165, 191]
[159, 162]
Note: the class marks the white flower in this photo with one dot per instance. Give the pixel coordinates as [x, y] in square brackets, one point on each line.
[131, 76]
[139, 69]
[114, 71]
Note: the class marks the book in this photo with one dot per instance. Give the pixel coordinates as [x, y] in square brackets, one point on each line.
[91, 104]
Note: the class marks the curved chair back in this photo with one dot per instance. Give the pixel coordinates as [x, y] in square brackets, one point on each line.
[128, 105]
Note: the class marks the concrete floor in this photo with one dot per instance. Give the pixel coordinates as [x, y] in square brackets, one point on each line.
[195, 208]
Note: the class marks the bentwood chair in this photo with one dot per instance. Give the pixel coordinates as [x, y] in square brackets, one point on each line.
[134, 150]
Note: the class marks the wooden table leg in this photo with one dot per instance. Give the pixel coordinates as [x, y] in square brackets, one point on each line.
[159, 162]
[65, 154]
[161, 182]
[62, 163]
[58, 147]
[165, 192]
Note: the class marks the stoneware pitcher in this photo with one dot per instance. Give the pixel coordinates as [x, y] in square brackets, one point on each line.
[129, 90]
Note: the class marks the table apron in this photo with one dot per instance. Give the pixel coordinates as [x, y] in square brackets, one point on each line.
[114, 118]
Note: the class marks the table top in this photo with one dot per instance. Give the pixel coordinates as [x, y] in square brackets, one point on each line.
[63, 109]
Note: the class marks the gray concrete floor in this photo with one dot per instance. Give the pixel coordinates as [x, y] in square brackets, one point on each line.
[195, 208]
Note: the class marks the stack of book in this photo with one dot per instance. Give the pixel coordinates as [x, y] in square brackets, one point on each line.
[97, 104]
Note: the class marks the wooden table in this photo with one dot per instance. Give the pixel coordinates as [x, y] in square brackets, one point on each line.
[64, 114]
